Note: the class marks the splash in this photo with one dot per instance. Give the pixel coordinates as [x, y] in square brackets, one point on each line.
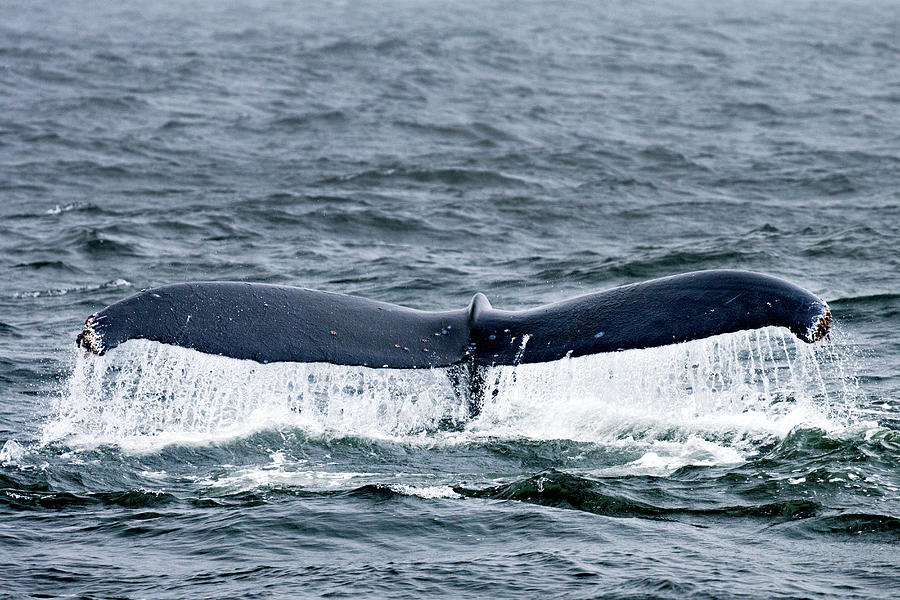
[720, 390]
[11, 453]
[146, 390]
[723, 388]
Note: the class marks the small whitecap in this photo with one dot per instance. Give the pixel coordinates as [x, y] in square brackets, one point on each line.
[427, 492]
[11, 453]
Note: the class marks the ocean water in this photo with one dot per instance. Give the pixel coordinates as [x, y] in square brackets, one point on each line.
[416, 153]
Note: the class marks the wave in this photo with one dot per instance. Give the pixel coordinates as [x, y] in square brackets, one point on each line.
[642, 498]
[106, 285]
[445, 176]
[70, 207]
[876, 299]
[874, 306]
[885, 527]
[567, 491]
[38, 497]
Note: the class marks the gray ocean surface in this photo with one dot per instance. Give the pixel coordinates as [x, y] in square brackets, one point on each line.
[417, 153]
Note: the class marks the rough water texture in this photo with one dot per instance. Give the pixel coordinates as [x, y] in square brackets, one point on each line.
[417, 153]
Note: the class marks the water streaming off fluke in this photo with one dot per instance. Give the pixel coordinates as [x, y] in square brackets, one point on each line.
[721, 388]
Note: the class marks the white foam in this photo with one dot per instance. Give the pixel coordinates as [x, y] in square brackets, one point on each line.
[11, 453]
[281, 472]
[58, 210]
[428, 492]
[287, 477]
[725, 391]
[667, 457]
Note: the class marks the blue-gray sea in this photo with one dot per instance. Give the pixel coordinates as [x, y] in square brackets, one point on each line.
[417, 153]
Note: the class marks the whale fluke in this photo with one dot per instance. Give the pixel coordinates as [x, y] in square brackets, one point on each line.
[269, 323]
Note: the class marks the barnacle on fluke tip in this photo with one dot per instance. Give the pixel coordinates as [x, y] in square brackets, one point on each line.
[822, 327]
[89, 339]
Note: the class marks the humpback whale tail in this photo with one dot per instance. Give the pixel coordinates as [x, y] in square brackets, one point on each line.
[268, 323]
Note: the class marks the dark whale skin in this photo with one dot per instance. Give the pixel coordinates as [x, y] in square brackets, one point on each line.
[269, 323]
